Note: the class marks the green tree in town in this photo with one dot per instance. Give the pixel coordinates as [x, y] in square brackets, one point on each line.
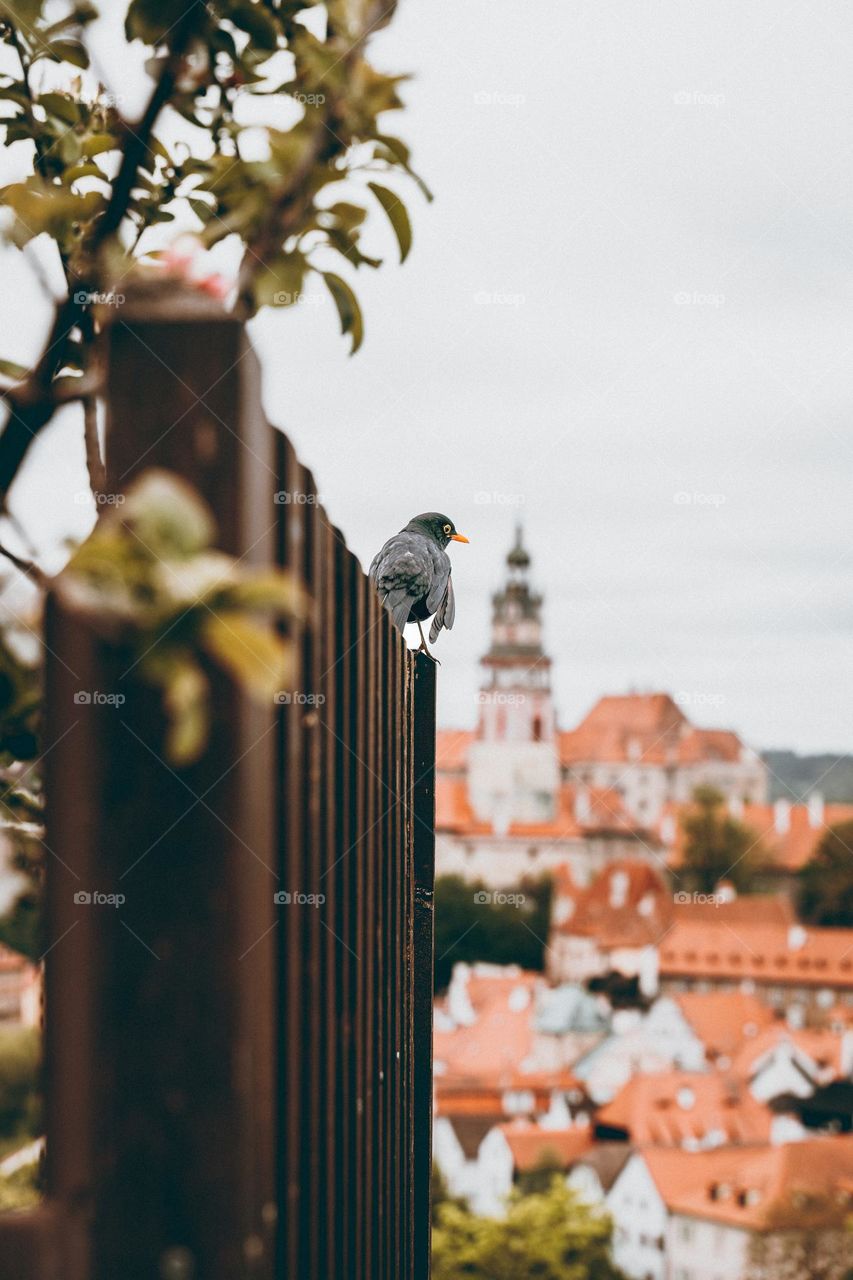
[550, 1235]
[717, 846]
[826, 881]
[473, 922]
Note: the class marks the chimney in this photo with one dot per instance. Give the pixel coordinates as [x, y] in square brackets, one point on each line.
[815, 810]
[782, 817]
[797, 937]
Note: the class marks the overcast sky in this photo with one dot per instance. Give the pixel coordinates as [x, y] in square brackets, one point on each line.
[626, 321]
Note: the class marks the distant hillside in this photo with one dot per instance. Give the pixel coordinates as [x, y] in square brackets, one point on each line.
[802, 774]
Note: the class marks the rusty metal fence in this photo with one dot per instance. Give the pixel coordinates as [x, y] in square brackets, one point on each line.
[237, 1076]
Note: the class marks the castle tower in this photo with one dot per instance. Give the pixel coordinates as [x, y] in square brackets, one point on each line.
[513, 772]
[515, 696]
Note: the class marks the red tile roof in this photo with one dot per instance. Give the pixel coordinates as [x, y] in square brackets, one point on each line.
[451, 749]
[787, 850]
[823, 1047]
[531, 1145]
[607, 813]
[621, 728]
[628, 904]
[673, 1108]
[800, 1185]
[723, 1020]
[768, 953]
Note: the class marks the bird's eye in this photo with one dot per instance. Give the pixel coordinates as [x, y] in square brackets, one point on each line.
[448, 528]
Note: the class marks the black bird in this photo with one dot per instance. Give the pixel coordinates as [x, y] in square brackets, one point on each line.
[412, 574]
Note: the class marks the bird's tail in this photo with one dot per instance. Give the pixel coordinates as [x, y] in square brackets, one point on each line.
[399, 605]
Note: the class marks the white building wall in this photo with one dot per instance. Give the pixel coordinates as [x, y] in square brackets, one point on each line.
[700, 1250]
[639, 1222]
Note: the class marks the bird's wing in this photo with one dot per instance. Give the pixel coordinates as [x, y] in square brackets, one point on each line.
[402, 574]
[445, 612]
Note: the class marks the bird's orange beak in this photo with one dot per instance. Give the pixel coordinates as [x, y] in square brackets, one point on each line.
[458, 537]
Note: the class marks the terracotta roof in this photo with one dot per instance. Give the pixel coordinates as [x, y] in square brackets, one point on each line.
[607, 1160]
[723, 1020]
[752, 908]
[626, 905]
[676, 1108]
[453, 813]
[701, 745]
[606, 813]
[621, 728]
[500, 1039]
[823, 1047]
[801, 1185]
[451, 748]
[530, 1144]
[771, 953]
[470, 1132]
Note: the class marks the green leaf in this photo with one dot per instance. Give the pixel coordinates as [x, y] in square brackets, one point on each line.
[397, 216]
[259, 25]
[61, 106]
[66, 51]
[348, 308]
[259, 660]
[98, 142]
[9, 369]
[280, 283]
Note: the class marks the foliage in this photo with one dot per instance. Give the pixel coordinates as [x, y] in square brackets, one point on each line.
[20, 1105]
[296, 205]
[440, 1194]
[826, 882]
[717, 846]
[537, 1180]
[21, 1189]
[550, 1235]
[468, 928]
[147, 578]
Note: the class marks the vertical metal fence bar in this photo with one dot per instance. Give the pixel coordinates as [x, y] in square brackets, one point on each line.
[252, 1082]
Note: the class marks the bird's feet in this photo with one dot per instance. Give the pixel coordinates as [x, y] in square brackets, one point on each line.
[422, 648]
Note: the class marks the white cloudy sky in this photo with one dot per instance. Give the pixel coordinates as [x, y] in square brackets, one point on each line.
[627, 320]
